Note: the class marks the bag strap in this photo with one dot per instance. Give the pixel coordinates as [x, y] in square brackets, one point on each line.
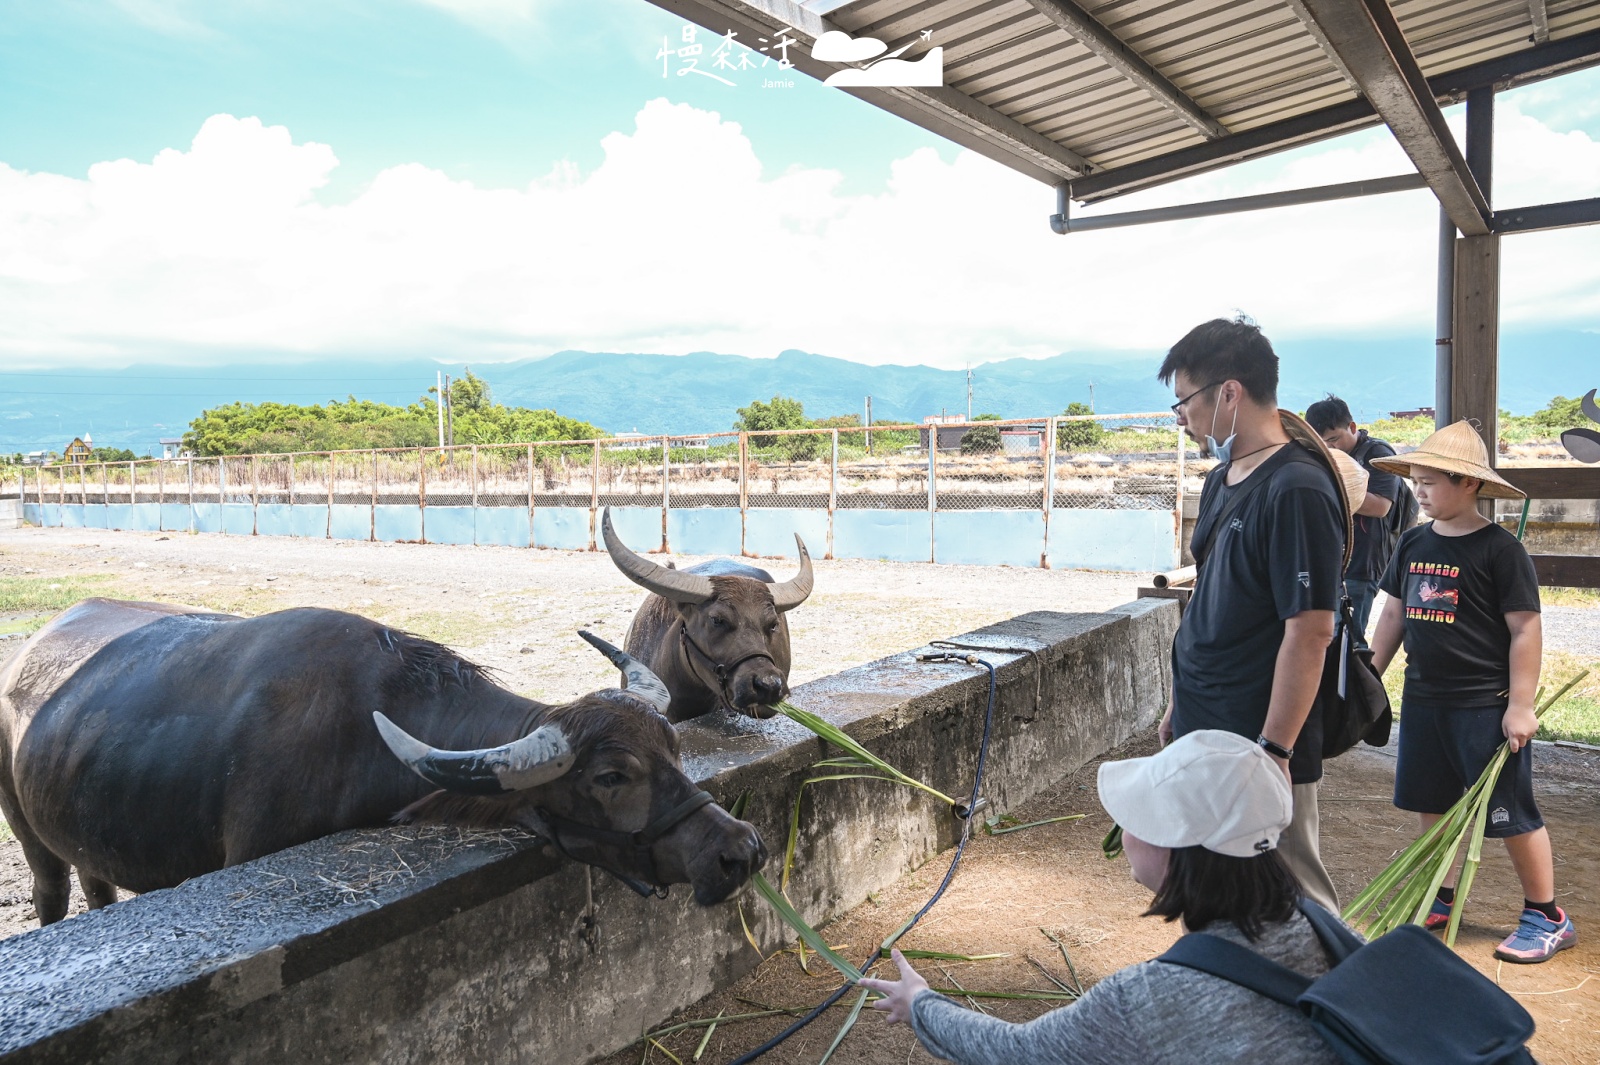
[1207, 953]
[1251, 483]
[1337, 940]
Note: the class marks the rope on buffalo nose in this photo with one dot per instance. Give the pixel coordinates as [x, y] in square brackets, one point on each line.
[963, 812]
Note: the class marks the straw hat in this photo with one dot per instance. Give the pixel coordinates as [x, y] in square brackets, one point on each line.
[1350, 475]
[1457, 448]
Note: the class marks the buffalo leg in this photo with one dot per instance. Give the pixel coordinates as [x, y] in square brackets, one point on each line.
[97, 892]
[52, 883]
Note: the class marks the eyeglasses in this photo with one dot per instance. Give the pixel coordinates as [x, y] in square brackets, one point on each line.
[1178, 406]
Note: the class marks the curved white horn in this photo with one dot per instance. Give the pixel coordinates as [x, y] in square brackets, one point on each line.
[793, 592]
[636, 676]
[537, 758]
[671, 584]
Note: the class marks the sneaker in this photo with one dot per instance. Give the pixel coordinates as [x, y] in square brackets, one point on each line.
[1438, 915]
[1537, 938]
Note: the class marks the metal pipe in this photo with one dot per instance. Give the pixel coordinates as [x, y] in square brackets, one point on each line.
[1444, 321]
[1062, 222]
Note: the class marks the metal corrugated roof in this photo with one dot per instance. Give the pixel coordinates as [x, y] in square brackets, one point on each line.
[1112, 96]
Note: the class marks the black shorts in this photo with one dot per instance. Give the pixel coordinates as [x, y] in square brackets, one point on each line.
[1443, 752]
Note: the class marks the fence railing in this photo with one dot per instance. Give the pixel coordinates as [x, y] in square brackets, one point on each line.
[1120, 462]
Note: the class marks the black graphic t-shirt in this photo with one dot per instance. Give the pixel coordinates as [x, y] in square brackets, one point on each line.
[1457, 591]
[1277, 554]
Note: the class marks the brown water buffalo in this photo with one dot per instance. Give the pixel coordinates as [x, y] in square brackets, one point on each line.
[715, 633]
[146, 744]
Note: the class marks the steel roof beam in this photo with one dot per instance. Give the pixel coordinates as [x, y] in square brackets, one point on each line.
[945, 111]
[1087, 31]
[1366, 36]
[1518, 68]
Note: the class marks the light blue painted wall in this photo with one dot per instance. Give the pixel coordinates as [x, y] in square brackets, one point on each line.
[351, 522]
[175, 517]
[274, 519]
[506, 526]
[448, 525]
[703, 531]
[238, 519]
[208, 517]
[1112, 539]
[989, 537]
[639, 527]
[895, 535]
[769, 531]
[146, 517]
[393, 521]
[562, 527]
[1128, 540]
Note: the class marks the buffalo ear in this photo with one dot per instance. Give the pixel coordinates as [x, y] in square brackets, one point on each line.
[461, 811]
[671, 564]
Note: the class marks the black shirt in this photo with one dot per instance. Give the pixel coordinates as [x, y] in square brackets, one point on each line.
[1457, 591]
[1280, 553]
[1375, 537]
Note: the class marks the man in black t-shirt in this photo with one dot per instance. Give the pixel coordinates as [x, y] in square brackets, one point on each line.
[1379, 519]
[1269, 541]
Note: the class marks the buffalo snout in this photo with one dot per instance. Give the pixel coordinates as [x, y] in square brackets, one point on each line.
[725, 858]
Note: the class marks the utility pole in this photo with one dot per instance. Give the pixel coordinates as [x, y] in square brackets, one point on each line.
[969, 391]
[1091, 397]
[438, 392]
[869, 425]
[449, 415]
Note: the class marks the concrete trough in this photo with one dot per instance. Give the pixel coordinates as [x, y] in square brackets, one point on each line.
[431, 945]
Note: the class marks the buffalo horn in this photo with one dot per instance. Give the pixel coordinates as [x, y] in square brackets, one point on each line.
[537, 758]
[792, 593]
[675, 585]
[636, 676]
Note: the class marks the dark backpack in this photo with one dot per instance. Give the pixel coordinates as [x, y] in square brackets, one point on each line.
[1401, 516]
[1355, 705]
[1403, 999]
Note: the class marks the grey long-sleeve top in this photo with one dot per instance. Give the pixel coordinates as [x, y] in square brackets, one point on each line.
[1147, 1014]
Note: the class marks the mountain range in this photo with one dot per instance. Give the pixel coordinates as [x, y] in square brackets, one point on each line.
[134, 406]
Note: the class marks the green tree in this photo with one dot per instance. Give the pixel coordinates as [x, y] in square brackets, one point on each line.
[470, 393]
[1075, 436]
[981, 439]
[110, 454]
[782, 413]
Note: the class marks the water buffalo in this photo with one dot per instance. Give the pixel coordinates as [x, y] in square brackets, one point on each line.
[146, 744]
[715, 633]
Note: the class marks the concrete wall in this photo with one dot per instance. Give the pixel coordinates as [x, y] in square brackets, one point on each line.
[412, 946]
[1130, 540]
[10, 513]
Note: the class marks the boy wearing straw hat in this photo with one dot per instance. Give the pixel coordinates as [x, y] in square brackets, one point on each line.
[1464, 600]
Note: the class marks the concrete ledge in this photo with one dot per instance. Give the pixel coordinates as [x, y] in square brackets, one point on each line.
[410, 946]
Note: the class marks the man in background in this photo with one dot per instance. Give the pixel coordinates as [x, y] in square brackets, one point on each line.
[1389, 510]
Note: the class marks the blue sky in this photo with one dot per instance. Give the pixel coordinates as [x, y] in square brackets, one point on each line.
[494, 179]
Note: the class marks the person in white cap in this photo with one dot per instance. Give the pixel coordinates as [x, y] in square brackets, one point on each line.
[1200, 823]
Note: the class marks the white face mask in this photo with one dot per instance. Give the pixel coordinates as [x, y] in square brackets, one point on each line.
[1222, 452]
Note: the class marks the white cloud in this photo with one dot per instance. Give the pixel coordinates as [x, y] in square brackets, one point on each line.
[679, 241]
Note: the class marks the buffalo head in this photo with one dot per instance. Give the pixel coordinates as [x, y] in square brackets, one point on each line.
[724, 639]
[601, 779]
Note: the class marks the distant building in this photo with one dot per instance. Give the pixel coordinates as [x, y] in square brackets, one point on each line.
[951, 431]
[1420, 412]
[38, 458]
[633, 441]
[172, 447]
[77, 451]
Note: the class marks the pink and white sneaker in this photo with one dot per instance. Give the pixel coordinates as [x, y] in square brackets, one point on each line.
[1537, 938]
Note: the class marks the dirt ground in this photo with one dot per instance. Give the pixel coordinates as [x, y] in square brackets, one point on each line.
[1054, 878]
[511, 609]
[515, 610]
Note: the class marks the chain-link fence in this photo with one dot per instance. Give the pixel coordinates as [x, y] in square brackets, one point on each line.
[1125, 462]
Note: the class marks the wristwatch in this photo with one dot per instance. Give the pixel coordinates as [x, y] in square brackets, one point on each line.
[1277, 749]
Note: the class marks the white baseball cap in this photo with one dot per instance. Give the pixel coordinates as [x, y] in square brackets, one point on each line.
[1210, 788]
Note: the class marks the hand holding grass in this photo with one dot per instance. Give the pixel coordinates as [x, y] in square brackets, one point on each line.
[897, 994]
[1518, 725]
